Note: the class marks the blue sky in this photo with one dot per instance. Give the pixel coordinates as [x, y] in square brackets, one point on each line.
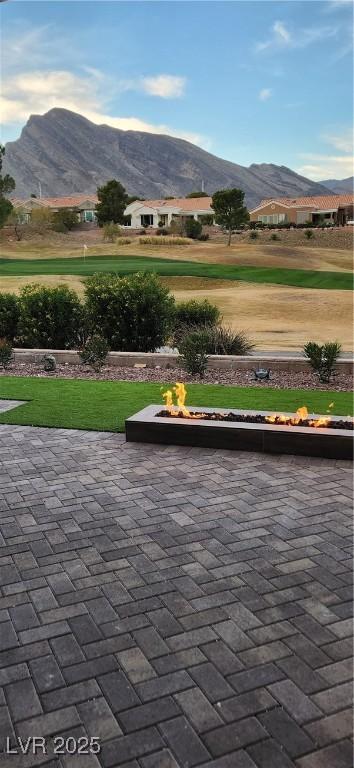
[249, 81]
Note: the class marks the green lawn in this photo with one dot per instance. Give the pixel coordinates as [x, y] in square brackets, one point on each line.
[104, 405]
[172, 268]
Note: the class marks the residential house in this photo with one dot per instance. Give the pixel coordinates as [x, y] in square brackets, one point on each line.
[152, 213]
[83, 205]
[336, 209]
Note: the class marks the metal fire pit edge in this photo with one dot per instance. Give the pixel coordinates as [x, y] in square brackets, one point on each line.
[146, 427]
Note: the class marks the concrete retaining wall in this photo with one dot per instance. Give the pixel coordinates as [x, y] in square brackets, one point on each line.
[151, 360]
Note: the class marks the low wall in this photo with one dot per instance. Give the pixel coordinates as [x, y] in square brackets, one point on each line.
[151, 360]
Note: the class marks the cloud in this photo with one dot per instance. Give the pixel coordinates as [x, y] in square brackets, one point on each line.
[165, 86]
[335, 5]
[265, 94]
[281, 32]
[89, 93]
[321, 166]
[282, 38]
[77, 87]
[342, 141]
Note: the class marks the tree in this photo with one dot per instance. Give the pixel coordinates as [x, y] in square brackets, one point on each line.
[17, 220]
[229, 209]
[41, 219]
[7, 184]
[197, 194]
[64, 220]
[112, 203]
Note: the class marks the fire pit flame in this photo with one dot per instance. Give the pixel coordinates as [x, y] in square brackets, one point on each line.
[180, 409]
[179, 392]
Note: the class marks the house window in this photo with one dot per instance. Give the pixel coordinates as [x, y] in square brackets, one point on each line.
[275, 218]
[147, 220]
[89, 216]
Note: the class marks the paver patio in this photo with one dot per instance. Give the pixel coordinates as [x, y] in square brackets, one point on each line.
[187, 607]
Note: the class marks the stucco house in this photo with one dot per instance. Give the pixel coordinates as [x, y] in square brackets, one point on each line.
[151, 213]
[83, 205]
[337, 209]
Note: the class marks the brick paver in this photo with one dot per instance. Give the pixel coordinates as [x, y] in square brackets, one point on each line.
[186, 607]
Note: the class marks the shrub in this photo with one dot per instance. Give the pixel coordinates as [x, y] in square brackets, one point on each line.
[162, 231]
[49, 363]
[309, 234]
[207, 219]
[177, 227]
[65, 220]
[225, 341]
[95, 352]
[192, 229]
[5, 353]
[204, 236]
[274, 236]
[9, 315]
[133, 313]
[323, 358]
[253, 234]
[41, 220]
[111, 231]
[49, 317]
[196, 312]
[123, 240]
[193, 351]
[155, 240]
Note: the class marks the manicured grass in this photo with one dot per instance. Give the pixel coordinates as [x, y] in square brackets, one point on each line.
[172, 268]
[104, 405]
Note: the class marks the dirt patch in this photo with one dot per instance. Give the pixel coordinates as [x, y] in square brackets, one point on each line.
[277, 316]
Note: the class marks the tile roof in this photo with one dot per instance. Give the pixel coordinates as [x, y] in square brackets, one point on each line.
[183, 203]
[319, 202]
[68, 202]
[72, 201]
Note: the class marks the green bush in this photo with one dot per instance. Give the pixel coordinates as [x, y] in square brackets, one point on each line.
[193, 351]
[309, 234]
[193, 229]
[65, 220]
[207, 219]
[254, 234]
[49, 317]
[204, 236]
[111, 231]
[274, 236]
[95, 352]
[323, 358]
[5, 353]
[9, 315]
[133, 313]
[196, 312]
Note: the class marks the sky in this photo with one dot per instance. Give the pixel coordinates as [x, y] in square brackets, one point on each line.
[252, 82]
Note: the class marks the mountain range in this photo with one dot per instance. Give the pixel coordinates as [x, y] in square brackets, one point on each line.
[65, 153]
[339, 186]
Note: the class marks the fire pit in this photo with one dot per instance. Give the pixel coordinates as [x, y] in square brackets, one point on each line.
[301, 433]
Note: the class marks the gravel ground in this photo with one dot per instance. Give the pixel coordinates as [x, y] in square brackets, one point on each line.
[279, 379]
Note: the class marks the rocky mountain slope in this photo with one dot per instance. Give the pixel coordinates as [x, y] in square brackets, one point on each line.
[339, 186]
[66, 153]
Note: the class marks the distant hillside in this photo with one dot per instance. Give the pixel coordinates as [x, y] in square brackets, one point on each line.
[339, 186]
[67, 153]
